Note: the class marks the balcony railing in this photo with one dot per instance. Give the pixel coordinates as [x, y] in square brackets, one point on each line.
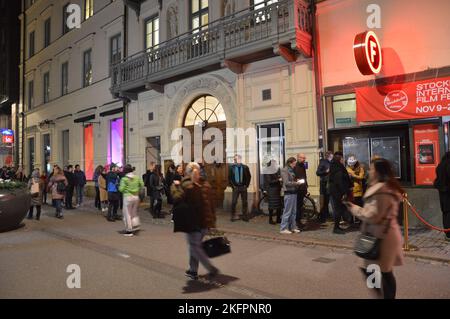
[243, 33]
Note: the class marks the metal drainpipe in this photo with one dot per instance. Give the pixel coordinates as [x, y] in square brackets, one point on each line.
[317, 76]
[21, 114]
[126, 101]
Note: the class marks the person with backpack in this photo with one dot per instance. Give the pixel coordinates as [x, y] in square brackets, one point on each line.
[156, 184]
[36, 187]
[112, 184]
[442, 184]
[58, 186]
[130, 187]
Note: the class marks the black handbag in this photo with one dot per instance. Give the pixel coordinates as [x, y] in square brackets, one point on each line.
[217, 246]
[368, 246]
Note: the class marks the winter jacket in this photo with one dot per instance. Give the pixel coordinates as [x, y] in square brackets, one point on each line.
[272, 186]
[36, 200]
[339, 183]
[80, 178]
[323, 169]
[442, 182]
[102, 186]
[300, 173]
[52, 185]
[357, 176]
[290, 186]
[194, 206]
[380, 210]
[156, 186]
[130, 185]
[246, 178]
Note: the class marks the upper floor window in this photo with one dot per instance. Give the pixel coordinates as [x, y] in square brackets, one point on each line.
[115, 49]
[46, 87]
[262, 3]
[65, 78]
[30, 95]
[88, 9]
[199, 14]
[30, 3]
[65, 15]
[47, 32]
[87, 68]
[31, 48]
[151, 32]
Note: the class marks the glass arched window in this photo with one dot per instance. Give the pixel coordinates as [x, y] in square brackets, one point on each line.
[204, 110]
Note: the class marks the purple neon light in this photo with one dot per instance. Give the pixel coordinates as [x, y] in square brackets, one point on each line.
[116, 148]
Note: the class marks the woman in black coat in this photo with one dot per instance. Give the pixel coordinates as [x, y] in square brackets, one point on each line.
[156, 184]
[339, 187]
[442, 183]
[272, 185]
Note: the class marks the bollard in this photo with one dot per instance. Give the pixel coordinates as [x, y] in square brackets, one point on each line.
[406, 245]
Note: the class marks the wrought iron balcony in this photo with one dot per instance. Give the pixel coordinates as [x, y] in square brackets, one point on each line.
[282, 28]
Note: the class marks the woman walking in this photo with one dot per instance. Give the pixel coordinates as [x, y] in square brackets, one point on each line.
[290, 188]
[442, 183]
[194, 214]
[130, 185]
[379, 217]
[36, 187]
[58, 185]
[272, 185]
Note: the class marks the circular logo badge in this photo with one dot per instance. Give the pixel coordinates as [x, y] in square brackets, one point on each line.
[396, 101]
[367, 52]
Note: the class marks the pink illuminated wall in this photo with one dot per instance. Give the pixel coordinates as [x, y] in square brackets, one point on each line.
[414, 35]
[89, 151]
[116, 142]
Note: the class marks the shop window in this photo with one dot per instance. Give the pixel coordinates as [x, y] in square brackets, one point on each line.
[89, 151]
[65, 147]
[31, 155]
[344, 110]
[47, 154]
[116, 141]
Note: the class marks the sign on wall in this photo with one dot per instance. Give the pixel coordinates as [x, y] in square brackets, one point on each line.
[367, 51]
[426, 145]
[414, 100]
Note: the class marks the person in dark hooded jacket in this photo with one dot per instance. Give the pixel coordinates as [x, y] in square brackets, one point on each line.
[339, 187]
[442, 183]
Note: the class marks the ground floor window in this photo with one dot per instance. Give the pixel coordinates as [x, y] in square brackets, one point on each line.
[47, 152]
[89, 151]
[271, 147]
[65, 147]
[31, 154]
[116, 141]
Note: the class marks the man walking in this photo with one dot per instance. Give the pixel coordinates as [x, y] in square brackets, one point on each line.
[80, 182]
[323, 171]
[70, 176]
[300, 175]
[239, 178]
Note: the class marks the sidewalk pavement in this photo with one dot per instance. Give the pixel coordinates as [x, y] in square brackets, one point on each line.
[431, 244]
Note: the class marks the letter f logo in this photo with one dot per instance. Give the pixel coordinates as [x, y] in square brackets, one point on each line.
[373, 52]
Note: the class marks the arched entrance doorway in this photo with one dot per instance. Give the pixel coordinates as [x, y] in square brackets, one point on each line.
[207, 112]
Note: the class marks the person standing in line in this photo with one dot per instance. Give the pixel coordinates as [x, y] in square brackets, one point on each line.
[239, 178]
[272, 185]
[179, 173]
[357, 175]
[156, 184]
[58, 185]
[168, 180]
[112, 184]
[44, 181]
[98, 171]
[339, 186]
[80, 182]
[36, 187]
[323, 170]
[194, 214]
[146, 178]
[379, 217]
[103, 189]
[130, 185]
[442, 183]
[300, 175]
[70, 176]
[290, 189]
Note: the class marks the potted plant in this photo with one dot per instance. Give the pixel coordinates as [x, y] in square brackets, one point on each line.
[15, 202]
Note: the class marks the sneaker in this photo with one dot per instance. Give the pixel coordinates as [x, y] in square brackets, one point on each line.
[296, 231]
[285, 232]
[128, 234]
[192, 275]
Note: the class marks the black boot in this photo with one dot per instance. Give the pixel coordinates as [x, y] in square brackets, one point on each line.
[389, 285]
[30, 213]
[38, 212]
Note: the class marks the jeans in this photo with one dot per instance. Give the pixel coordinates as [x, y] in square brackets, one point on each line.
[69, 196]
[288, 220]
[112, 208]
[196, 252]
[239, 190]
[79, 189]
[130, 217]
[97, 198]
[58, 206]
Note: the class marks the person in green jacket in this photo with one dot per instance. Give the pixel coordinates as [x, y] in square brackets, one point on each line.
[130, 185]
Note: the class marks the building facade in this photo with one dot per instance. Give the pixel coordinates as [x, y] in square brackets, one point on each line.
[389, 114]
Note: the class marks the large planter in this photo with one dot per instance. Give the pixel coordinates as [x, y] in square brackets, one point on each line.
[14, 205]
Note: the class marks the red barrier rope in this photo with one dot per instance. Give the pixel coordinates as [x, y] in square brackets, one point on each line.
[425, 222]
